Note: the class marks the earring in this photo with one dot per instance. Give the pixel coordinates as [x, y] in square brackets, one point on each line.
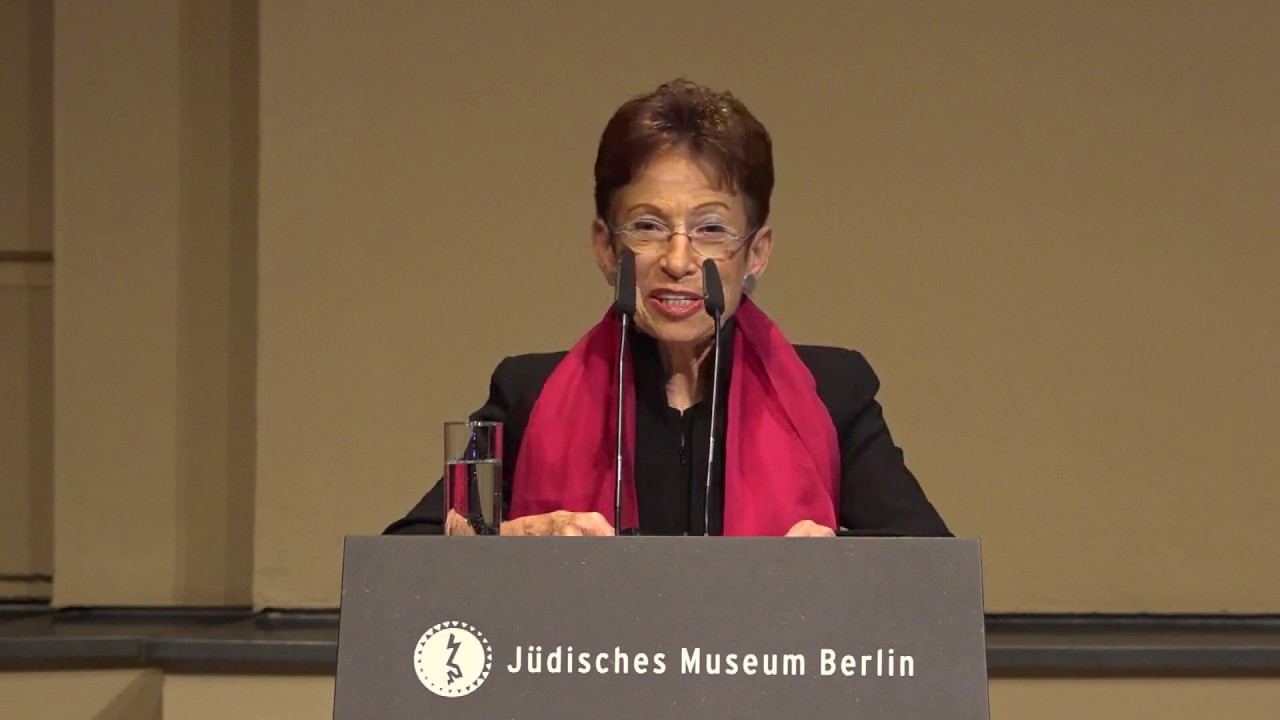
[749, 284]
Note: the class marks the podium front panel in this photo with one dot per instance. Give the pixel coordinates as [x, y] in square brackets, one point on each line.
[648, 628]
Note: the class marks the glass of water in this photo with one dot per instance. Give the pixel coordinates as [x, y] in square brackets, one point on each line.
[473, 478]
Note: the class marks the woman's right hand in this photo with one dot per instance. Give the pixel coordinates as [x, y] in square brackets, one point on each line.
[560, 522]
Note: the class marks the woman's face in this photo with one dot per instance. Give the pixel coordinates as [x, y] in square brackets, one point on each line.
[676, 192]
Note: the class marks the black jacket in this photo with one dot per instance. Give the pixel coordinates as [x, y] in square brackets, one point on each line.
[878, 495]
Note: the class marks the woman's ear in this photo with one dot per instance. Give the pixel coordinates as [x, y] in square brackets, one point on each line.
[759, 252]
[602, 247]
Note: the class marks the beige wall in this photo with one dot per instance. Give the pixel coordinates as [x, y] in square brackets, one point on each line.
[153, 354]
[1050, 227]
[82, 695]
[1135, 698]
[26, 319]
[26, 148]
[26, 429]
[212, 697]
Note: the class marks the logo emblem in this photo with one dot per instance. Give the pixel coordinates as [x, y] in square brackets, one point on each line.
[453, 659]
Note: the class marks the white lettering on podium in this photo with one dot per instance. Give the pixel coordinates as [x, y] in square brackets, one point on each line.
[693, 661]
[690, 662]
[851, 665]
[533, 660]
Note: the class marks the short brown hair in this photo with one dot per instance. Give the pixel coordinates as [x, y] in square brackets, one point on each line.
[715, 126]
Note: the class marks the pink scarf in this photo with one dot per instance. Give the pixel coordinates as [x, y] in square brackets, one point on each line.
[782, 463]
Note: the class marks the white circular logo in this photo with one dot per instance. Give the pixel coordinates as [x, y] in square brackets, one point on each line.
[453, 659]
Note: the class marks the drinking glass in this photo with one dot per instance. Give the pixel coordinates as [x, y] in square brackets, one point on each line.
[473, 477]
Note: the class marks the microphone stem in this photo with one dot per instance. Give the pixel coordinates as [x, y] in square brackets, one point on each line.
[622, 387]
[711, 445]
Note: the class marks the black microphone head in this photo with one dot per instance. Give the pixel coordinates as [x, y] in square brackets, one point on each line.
[624, 297]
[712, 288]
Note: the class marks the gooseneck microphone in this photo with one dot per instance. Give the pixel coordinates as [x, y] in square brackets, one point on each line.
[624, 303]
[713, 301]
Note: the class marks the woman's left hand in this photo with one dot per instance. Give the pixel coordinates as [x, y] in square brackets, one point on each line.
[809, 528]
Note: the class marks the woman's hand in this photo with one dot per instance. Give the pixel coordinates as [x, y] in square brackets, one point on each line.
[560, 522]
[809, 528]
[456, 524]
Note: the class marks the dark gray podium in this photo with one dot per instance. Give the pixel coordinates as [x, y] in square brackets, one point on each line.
[658, 628]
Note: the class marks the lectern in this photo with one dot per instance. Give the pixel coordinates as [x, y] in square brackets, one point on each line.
[647, 628]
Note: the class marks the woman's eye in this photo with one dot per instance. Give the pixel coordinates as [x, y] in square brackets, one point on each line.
[646, 226]
[712, 229]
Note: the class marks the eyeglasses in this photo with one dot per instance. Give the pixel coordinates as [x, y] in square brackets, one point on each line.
[711, 240]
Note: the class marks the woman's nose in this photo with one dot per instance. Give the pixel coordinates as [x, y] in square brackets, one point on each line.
[678, 260]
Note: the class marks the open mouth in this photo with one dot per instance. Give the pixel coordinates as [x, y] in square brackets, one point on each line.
[675, 304]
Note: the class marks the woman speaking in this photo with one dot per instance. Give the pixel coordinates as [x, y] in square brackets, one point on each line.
[683, 175]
